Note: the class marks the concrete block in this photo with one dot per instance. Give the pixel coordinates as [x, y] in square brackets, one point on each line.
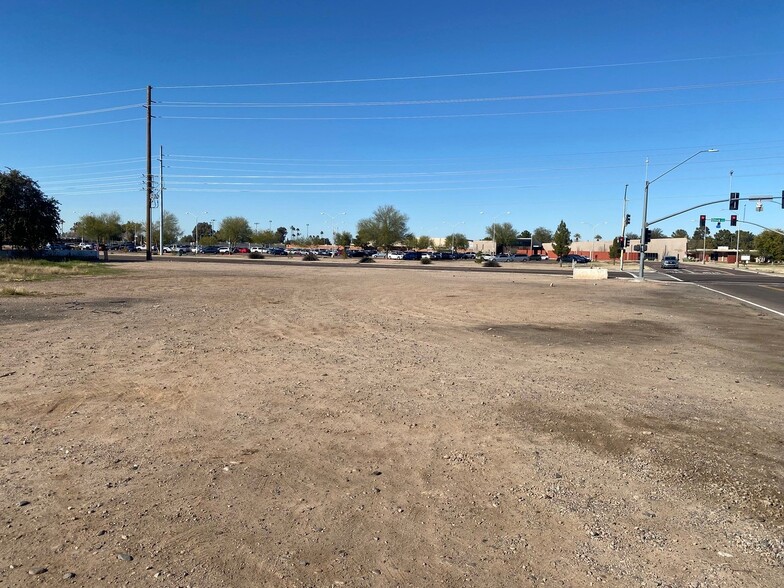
[589, 273]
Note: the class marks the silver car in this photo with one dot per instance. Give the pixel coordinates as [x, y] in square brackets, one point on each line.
[670, 262]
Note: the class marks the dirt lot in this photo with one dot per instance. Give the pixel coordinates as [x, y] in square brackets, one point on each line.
[294, 424]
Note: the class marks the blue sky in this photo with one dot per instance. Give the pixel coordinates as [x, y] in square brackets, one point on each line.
[589, 91]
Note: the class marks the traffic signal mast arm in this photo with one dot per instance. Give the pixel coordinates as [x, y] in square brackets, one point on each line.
[723, 200]
[760, 226]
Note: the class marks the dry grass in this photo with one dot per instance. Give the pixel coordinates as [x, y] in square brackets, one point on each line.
[8, 291]
[34, 270]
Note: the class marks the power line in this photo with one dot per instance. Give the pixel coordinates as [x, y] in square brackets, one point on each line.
[111, 122]
[465, 115]
[463, 74]
[439, 101]
[34, 100]
[68, 114]
[90, 163]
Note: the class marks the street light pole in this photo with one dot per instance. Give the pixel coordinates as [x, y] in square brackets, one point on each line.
[645, 206]
[623, 225]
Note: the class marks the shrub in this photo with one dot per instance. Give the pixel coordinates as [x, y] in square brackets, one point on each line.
[491, 263]
[367, 260]
[255, 255]
[310, 257]
[425, 260]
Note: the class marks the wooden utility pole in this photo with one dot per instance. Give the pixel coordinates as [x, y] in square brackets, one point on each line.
[160, 204]
[149, 174]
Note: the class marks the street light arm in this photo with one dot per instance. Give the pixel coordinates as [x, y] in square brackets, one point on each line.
[681, 163]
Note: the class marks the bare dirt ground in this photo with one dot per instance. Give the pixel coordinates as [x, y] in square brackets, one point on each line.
[301, 424]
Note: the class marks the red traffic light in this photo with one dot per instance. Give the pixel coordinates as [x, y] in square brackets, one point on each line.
[702, 221]
[733, 220]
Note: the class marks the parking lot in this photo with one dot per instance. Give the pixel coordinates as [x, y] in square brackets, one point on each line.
[313, 424]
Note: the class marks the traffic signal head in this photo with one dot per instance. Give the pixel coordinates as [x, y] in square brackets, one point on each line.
[702, 221]
[647, 237]
[627, 242]
[734, 200]
[629, 217]
[782, 199]
[733, 220]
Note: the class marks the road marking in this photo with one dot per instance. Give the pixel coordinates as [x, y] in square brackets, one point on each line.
[740, 299]
[771, 287]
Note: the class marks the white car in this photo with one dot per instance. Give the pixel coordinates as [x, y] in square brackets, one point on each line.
[257, 249]
[224, 250]
[395, 255]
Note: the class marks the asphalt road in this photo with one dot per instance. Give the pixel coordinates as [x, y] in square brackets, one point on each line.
[764, 291]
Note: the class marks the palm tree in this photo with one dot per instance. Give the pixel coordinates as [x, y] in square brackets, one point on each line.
[577, 236]
[598, 237]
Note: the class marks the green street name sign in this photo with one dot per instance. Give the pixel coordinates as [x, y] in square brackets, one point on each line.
[718, 220]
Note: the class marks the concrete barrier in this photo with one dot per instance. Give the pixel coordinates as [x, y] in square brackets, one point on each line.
[589, 273]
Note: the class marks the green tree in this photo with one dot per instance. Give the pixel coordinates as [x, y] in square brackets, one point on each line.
[386, 227]
[131, 230]
[597, 237]
[680, 234]
[562, 238]
[343, 239]
[632, 236]
[615, 249]
[456, 241]
[578, 237]
[28, 218]
[723, 237]
[746, 241]
[424, 242]
[542, 235]
[504, 234]
[410, 241]
[281, 233]
[235, 229]
[201, 230]
[525, 234]
[171, 230]
[699, 237]
[770, 245]
[268, 237]
[102, 227]
[657, 233]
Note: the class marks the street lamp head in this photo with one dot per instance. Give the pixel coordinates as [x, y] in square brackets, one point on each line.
[712, 150]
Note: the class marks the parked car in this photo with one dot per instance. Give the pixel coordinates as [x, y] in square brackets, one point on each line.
[257, 249]
[380, 255]
[395, 255]
[518, 257]
[411, 255]
[224, 250]
[241, 250]
[670, 262]
[210, 249]
[277, 251]
[573, 257]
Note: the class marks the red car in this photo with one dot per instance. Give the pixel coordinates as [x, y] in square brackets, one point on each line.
[241, 250]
